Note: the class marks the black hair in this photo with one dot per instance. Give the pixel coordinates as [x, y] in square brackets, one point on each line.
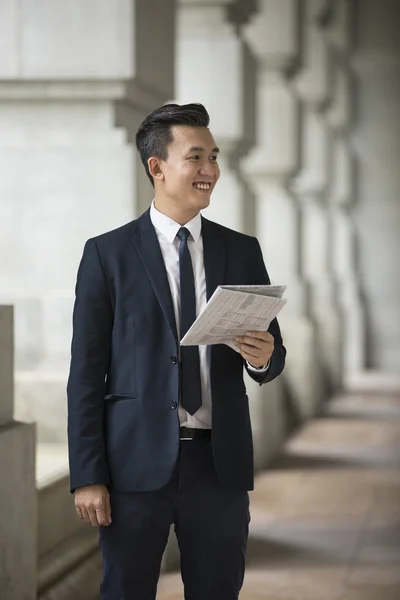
[154, 134]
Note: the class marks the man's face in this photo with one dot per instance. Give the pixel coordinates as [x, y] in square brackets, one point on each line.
[191, 171]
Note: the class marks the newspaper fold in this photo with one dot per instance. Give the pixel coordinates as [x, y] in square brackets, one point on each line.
[233, 310]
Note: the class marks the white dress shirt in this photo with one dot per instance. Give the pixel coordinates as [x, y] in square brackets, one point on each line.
[166, 230]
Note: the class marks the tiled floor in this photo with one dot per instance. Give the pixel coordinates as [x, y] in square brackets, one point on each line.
[326, 518]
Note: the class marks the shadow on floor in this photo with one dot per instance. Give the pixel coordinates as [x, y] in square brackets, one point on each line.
[311, 461]
[277, 553]
[302, 461]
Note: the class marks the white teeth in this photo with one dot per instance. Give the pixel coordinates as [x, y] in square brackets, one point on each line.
[202, 186]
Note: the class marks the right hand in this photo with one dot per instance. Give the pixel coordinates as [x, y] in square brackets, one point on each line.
[92, 503]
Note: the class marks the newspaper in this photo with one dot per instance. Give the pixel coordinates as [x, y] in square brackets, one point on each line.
[233, 310]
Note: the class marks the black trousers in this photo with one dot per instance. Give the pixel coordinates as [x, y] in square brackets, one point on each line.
[211, 526]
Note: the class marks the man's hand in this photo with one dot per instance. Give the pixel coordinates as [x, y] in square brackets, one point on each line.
[256, 347]
[92, 503]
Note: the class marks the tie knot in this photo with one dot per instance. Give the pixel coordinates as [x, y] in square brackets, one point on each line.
[183, 234]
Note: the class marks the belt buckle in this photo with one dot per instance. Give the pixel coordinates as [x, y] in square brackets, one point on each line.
[185, 438]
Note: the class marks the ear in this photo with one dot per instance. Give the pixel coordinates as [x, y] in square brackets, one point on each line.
[155, 169]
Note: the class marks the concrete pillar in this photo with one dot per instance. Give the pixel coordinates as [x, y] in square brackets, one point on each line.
[376, 142]
[312, 189]
[76, 79]
[212, 67]
[18, 521]
[274, 38]
[341, 194]
[215, 67]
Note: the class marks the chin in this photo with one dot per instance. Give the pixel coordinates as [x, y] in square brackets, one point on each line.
[205, 203]
[201, 203]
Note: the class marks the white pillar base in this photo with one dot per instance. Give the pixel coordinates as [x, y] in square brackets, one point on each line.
[303, 376]
[18, 518]
[268, 418]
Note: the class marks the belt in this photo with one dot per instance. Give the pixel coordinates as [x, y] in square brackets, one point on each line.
[189, 433]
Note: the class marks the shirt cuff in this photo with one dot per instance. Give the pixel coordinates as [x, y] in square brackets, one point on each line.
[258, 369]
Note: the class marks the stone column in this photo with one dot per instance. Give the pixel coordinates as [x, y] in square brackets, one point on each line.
[212, 67]
[376, 142]
[341, 194]
[274, 38]
[312, 189]
[76, 79]
[215, 67]
[18, 521]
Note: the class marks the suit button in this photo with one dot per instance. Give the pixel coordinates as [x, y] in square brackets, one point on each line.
[174, 405]
[174, 360]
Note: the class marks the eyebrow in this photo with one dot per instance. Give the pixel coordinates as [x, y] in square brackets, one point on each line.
[200, 149]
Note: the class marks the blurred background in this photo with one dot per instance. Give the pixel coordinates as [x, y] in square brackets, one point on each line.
[304, 100]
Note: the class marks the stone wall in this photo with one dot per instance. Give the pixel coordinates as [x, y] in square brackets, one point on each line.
[76, 79]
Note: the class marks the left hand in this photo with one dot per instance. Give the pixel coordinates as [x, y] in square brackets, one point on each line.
[256, 347]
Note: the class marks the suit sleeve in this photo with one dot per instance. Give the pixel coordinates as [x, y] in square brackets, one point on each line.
[90, 354]
[277, 361]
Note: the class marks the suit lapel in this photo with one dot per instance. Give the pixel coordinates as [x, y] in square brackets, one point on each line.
[214, 266]
[214, 256]
[146, 243]
[148, 247]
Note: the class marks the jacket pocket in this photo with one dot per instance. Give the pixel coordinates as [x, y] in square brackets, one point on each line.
[121, 396]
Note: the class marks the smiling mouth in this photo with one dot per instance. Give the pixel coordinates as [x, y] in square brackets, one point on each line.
[204, 187]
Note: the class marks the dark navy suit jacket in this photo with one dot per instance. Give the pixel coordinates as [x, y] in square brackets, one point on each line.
[123, 426]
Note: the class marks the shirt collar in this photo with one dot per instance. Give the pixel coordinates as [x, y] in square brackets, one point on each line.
[169, 228]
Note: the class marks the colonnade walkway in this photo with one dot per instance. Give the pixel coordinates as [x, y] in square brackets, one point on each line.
[326, 517]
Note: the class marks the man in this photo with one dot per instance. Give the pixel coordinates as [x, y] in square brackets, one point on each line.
[158, 433]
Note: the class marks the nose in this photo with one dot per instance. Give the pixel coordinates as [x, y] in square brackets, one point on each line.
[207, 170]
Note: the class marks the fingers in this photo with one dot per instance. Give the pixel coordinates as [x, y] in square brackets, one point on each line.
[266, 336]
[256, 347]
[103, 516]
[251, 343]
[92, 505]
[247, 342]
[251, 358]
[250, 350]
[108, 510]
[84, 515]
[93, 516]
[87, 514]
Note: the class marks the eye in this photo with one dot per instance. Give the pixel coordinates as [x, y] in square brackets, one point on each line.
[195, 157]
[214, 158]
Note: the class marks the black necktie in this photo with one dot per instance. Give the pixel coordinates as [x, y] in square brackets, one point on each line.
[190, 362]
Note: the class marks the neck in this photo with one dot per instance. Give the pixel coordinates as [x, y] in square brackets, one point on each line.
[176, 213]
